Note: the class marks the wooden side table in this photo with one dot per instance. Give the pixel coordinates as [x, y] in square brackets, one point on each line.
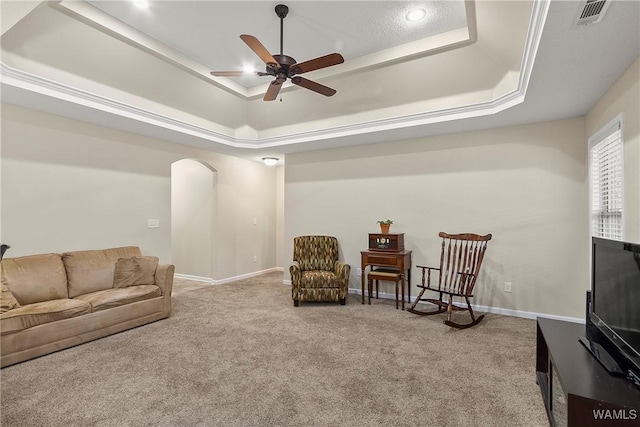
[400, 261]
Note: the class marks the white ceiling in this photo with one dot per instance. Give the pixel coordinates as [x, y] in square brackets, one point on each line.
[208, 31]
[478, 65]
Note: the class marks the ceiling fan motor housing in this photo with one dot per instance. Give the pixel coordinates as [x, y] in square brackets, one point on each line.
[285, 69]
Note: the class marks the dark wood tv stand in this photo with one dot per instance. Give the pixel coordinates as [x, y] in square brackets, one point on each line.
[575, 388]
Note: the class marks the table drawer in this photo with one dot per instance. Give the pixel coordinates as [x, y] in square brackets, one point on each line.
[384, 260]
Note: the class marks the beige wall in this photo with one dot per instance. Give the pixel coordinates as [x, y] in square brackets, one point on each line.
[71, 185]
[280, 260]
[194, 194]
[526, 185]
[624, 97]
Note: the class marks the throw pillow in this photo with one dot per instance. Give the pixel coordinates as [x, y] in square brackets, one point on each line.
[139, 270]
[7, 300]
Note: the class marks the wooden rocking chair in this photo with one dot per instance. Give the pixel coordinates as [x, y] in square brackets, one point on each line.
[460, 261]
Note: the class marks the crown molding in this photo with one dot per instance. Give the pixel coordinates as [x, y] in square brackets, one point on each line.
[40, 85]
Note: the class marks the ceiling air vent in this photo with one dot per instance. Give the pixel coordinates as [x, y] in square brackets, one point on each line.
[592, 11]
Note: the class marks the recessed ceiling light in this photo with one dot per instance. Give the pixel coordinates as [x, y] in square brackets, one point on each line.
[142, 4]
[416, 15]
[249, 69]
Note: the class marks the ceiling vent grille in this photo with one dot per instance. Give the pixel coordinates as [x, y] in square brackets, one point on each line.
[592, 11]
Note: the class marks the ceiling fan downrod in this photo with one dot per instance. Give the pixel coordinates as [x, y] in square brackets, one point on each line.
[282, 11]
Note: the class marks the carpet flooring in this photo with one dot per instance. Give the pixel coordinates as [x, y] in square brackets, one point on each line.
[240, 354]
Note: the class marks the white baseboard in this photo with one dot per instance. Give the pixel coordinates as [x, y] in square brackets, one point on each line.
[524, 314]
[482, 308]
[487, 309]
[227, 279]
[195, 278]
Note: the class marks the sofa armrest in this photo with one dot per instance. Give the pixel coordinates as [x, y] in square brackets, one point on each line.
[342, 269]
[164, 278]
[295, 272]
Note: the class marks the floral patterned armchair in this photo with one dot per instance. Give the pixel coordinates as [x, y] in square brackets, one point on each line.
[316, 273]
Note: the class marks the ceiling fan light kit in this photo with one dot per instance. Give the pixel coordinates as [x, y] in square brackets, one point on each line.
[283, 67]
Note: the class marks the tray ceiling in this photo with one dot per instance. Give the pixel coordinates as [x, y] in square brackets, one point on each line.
[148, 70]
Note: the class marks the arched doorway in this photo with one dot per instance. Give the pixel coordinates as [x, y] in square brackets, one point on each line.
[194, 190]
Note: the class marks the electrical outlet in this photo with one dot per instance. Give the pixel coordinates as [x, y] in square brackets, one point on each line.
[153, 223]
[359, 272]
[507, 286]
[255, 258]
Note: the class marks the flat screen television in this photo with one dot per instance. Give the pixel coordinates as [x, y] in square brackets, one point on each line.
[613, 323]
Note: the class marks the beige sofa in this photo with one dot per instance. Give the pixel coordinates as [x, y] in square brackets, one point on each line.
[55, 301]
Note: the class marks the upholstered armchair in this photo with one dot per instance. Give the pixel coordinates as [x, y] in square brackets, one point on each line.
[316, 273]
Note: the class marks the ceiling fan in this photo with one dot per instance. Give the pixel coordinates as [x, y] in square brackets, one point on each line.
[284, 67]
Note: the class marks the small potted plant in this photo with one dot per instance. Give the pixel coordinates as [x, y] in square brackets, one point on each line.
[384, 225]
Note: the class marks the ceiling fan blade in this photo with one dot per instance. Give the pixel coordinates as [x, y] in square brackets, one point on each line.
[260, 50]
[228, 73]
[317, 63]
[272, 91]
[311, 85]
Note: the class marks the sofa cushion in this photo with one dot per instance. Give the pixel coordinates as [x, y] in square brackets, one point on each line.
[139, 270]
[109, 298]
[7, 300]
[91, 271]
[35, 278]
[38, 313]
[320, 279]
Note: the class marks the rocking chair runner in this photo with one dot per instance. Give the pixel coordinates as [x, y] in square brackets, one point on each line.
[460, 261]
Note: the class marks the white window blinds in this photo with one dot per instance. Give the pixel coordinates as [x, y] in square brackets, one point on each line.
[607, 182]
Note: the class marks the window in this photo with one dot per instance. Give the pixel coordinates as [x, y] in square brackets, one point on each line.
[605, 154]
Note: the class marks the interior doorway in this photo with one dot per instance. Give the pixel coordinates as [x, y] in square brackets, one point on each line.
[194, 191]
